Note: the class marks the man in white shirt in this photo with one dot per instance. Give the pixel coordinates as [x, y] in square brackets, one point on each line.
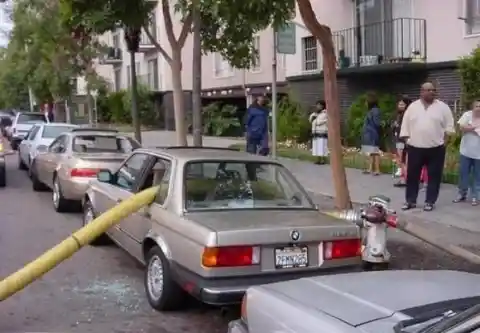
[426, 124]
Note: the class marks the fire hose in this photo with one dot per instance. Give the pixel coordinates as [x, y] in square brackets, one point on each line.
[378, 216]
[64, 250]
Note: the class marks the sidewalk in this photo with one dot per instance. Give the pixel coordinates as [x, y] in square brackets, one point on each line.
[318, 179]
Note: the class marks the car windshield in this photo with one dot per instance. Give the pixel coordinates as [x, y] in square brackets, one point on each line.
[24, 118]
[242, 185]
[103, 144]
[51, 132]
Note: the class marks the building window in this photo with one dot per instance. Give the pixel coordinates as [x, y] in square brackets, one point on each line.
[117, 79]
[116, 40]
[153, 74]
[221, 67]
[129, 76]
[310, 54]
[473, 17]
[256, 60]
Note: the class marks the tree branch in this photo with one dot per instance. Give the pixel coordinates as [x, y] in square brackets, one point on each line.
[157, 45]
[167, 17]
[186, 29]
[308, 15]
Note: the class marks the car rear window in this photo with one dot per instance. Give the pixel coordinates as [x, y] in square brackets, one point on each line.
[31, 117]
[103, 144]
[51, 132]
[223, 185]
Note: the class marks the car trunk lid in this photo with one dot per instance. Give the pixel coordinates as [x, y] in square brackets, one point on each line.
[110, 161]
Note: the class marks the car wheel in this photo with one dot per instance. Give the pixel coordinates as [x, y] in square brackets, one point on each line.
[21, 165]
[3, 176]
[14, 145]
[89, 216]
[37, 185]
[60, 204]
[371, 266]
[162, 292]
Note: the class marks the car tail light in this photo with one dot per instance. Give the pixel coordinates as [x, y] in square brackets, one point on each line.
[231, 256]
[83, 172]
[340, 249]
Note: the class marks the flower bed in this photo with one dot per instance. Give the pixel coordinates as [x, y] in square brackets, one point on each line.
[353, 158]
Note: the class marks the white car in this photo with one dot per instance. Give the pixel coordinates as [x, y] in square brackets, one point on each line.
[22, 124]
[39, 137]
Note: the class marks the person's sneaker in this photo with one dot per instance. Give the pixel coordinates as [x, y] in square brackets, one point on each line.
[408, 206]
[460, 198]
[428, 207]
[474, 202]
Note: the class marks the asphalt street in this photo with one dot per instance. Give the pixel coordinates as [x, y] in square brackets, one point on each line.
[101, 289]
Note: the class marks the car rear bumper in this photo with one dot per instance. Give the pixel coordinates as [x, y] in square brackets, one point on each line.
[75, 188]
[237, 326]
[229, 291]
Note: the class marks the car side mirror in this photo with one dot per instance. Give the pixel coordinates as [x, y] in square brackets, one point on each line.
[104, 176]
[58, 149]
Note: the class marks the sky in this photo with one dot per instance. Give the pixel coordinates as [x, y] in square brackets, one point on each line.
[5, 26]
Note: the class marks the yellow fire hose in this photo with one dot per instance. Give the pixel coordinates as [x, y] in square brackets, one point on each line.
[50, 259]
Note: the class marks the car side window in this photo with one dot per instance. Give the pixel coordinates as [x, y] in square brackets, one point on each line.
[158, 174]
[59, 145]
[130, 171]
[33, 133]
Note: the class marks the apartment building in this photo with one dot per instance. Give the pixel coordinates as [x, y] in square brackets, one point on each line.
[387, 45]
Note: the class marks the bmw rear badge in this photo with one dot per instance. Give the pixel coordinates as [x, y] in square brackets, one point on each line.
[295, 235]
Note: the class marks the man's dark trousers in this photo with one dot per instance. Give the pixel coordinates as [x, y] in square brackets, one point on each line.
[433, 159]
[257, 146]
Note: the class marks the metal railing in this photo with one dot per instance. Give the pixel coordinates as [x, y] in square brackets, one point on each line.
[400, 40]
[112, 53]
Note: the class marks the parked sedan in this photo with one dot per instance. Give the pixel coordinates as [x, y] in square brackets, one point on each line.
[73, 159]
[22, 124]
[222, 221]
[368, 302]
[40, 137]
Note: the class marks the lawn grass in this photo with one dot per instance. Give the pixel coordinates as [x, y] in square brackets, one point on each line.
[356, 160]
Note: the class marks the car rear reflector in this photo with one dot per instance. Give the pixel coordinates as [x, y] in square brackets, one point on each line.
[231, 256]
[341, 249]
[83, 172]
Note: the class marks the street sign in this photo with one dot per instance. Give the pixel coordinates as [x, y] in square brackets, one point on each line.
[286, 42]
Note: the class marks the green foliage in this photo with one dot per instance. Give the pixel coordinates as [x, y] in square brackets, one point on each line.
[144, 103]
[220, 120]
[292, 121]
[469, 70]
[357, 113]
[117, 112]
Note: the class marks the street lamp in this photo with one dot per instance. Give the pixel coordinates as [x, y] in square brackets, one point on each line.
[132, 39]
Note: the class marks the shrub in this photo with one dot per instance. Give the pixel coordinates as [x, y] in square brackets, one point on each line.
[220, 119]
[356, 116]
[118, 113]
[146, 109]
[292, 121]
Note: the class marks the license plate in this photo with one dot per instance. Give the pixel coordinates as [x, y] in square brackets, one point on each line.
[291, 257]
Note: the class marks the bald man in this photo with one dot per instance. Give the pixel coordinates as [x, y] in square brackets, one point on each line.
[425, 126]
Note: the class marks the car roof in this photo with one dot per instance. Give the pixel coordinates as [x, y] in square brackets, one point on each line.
[186, 154]
[26, 112]
[56, 124]
[94, 133]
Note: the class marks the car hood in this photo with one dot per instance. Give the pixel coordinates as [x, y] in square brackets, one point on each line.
[359, 298]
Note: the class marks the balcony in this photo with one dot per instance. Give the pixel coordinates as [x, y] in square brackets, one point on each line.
[399, 41]
[112, 56]
[146, 45]
[149, 81]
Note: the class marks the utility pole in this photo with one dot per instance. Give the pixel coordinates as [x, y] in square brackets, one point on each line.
[274, 95]
[197, 125]
[132, 39]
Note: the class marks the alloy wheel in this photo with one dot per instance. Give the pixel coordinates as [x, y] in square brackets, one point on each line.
[155, 277]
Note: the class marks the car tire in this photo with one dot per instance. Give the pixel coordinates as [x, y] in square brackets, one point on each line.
[88, 216]
[14, 145]
[21, 165]
[3, 176]
[370, 266]
[37, 185]
[60, 204]
[162, 292]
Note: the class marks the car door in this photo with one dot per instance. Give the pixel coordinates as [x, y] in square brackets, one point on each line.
[123, 185]
[51, 159]
[136, 226]
[27, 144]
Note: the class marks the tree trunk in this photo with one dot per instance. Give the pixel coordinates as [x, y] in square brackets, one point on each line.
[324, 35]
[197, 81]
[178, 101]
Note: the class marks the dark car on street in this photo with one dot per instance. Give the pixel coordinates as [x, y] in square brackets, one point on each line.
[6, 120]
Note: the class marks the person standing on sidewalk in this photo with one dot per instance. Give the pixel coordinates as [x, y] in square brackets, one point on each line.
[425, 126]
[400, 149]
[318, 121]
[371, 135]
[256, 127]
[469, 155]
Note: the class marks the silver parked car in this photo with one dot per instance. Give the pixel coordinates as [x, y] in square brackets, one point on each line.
[73, 159]
[39, 138]
[22, 124]
[367, 302]
[222, 221]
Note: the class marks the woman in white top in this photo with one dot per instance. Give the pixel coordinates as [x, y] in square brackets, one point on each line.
[318, 121]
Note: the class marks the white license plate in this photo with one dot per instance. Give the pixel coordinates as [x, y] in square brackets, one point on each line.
[291, 257]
